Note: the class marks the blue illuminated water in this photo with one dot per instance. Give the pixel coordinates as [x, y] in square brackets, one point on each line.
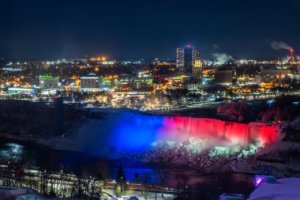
[136, 132]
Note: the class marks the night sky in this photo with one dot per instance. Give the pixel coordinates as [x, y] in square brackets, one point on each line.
[147, 28]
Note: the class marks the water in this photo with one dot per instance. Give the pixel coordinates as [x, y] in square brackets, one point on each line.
[201, 186]
[131, 132]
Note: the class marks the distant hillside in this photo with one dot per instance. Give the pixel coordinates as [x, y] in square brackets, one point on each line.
[22, 118]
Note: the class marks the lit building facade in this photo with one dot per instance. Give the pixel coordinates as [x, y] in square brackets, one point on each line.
[90, 83]
[188, 61]
[224, 77]
[48, 81]
[180, 58]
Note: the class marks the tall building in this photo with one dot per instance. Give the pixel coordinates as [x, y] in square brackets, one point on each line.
[180, 58]
[188, 61]
[196, 66]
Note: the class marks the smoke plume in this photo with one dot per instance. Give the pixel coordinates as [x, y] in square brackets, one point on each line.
[222, 58]
[280, 45]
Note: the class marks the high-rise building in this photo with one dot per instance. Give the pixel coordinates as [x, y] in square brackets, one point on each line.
[196, 66]
[180, 58]
[188, 61]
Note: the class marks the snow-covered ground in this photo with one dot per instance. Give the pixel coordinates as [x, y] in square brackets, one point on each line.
[20, 194]
[140, 195]
[28, 194]
[284, 189]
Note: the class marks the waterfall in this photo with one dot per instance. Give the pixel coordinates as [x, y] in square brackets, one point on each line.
[141, 131]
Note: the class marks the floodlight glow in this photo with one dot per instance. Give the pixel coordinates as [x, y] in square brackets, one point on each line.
[137, 132]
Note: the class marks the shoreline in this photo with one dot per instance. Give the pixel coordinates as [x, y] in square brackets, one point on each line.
[158, 165]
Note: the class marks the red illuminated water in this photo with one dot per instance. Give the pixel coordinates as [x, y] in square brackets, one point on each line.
[181, 128]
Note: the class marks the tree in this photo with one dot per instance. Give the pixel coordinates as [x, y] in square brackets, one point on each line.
[121, 175]
[121, 181]
[136, 177]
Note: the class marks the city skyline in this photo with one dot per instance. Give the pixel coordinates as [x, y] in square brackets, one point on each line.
[146, 29]
[150, 99]
[285, 53]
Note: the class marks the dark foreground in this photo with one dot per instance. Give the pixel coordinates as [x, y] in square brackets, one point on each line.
[199, 186]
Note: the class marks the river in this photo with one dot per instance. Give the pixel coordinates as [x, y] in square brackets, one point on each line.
[202, 186]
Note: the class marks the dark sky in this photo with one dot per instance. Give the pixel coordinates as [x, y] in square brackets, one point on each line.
[146, 28]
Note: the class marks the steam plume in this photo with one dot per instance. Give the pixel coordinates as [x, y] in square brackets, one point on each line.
[280, 45]
[221, 58]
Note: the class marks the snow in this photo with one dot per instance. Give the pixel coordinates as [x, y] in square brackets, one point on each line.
[141, 195]
[20, 194]
[284, 189]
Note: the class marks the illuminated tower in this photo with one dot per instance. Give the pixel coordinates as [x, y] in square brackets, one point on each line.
[187, 59]
[180, 58]
[188, 62]
[291, 57]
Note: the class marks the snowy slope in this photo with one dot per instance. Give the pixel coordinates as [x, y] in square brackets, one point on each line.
[284, 189]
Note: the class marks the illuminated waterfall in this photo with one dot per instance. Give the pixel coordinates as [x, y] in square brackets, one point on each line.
[138, 131]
